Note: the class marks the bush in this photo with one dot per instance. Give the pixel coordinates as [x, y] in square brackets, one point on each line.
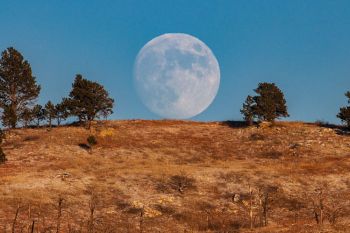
[2, 156]
[257, 137]
[91, 140]
[271, 154]
[181, 183]
[322, 123]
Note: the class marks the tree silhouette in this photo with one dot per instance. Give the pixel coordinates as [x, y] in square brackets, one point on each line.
[344, 113]
[267, 105]
[61, 110]
[18, 88]
[50, 112]
[38, 113]
[248, 110]
[89, 100]
[27, 117]
[9, 117]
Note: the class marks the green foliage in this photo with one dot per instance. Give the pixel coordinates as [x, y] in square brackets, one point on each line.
[267, 105]
[50, 112]
[92, 140]
[270, 102]
[26, 116]
[248, 109]
[18, 88]
[89, 100]
[344, 113]
[38, 113]
[61, 110]
[9, 117]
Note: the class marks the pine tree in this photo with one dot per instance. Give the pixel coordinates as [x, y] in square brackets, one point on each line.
[38, 113]
[9, 117]
[89, 100]
[248, 110]
[50, 112]
[344, 113]
[267, 105]
[62, 112]
[27, 117]
[18, 88]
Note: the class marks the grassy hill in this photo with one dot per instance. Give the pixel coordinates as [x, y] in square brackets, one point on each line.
[176, 176]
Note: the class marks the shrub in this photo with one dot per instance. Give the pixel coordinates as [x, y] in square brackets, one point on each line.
[2, 156]
[91, 140]
[257, 137]
[322, 123]
[181, 183]
[271, 154]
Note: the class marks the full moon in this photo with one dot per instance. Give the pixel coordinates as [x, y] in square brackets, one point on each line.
[176, 76]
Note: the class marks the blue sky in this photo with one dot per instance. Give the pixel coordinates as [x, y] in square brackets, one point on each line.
[301, 45]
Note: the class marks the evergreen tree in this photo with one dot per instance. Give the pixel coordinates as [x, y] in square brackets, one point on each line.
[50, 112]
[344, 113]
[26, 117]
[18, 88]
[89, 100]
[9, 117]
[38, 113]
[248, 110]
[270, 102]
[62, 112]
[267, 105]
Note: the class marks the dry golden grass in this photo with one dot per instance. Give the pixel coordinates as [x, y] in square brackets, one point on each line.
[175, 176]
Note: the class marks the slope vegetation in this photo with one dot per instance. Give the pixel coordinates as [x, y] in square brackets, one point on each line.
[176, 176]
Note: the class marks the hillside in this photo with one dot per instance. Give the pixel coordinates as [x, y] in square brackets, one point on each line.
[176, 176]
